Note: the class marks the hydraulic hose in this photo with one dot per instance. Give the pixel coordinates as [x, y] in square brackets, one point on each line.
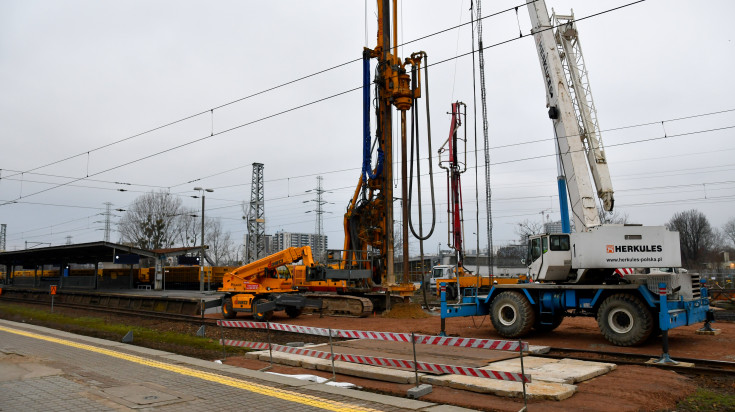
[366, 139]
[415, 133]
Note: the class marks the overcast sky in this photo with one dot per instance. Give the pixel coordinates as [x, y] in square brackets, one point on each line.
[76, 76]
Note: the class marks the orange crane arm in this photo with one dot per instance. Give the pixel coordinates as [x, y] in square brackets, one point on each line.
[261, 267]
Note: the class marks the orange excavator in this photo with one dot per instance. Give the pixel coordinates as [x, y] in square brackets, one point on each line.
[266, 285]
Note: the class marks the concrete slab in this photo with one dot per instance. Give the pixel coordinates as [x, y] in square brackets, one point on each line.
[371, 372]
[341, 367]
[554, 370]
[419, 391]
[534, 390]
[12, 371]
[288, 359]
[538, 350]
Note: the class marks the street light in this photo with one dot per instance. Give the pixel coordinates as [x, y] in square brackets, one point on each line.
[201, 253]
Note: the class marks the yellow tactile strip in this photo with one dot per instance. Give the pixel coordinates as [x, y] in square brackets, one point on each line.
[207, 376]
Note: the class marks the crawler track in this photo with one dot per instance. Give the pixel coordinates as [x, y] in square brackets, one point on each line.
[700, 366]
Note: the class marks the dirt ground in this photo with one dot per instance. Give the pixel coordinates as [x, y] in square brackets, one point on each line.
[576, 333]
[628, 388]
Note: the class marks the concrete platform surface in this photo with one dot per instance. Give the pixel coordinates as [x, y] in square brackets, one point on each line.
[43, 369]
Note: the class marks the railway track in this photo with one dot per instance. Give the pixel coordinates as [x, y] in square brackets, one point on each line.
[118, 311]
[698, 366]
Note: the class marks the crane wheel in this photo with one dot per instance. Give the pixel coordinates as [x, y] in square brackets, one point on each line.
[512, 314]
[625, 320]
[227, 311]
[261, 316]
[293, 312]
[451, 292]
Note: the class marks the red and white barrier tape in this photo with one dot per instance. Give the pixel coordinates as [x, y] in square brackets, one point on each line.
[360, 334]
[242, 324]
[506, 345]
[306, 352]
[243, 344]
[435, 368]
[275, 326]
[386, 336]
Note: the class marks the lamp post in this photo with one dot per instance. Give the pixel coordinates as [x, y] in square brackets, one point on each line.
[201, 252]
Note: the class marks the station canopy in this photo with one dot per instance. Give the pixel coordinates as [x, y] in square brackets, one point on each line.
[79, 253]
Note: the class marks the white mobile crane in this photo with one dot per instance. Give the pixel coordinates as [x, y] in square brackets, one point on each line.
[572, 274]
[592, 253]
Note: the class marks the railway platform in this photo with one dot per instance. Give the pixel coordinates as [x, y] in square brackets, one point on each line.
[181, 302]
[44, 369]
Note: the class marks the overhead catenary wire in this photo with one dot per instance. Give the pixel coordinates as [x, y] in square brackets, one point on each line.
[683, 171]
[265, 117]
[264, 91]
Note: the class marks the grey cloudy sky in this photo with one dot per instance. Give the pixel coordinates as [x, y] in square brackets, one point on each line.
[78, 75]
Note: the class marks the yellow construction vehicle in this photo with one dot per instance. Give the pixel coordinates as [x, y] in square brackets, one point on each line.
[455, 279]
[260, 288]
[368, 223]
[362, 276]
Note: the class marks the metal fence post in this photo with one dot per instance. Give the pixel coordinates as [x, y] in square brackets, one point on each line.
[523, 377]
[222, 338]
[331, 350]
[415, 364]
[270, 347]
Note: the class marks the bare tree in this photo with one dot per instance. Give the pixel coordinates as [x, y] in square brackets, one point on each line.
[509, 255]
[189, 228]
[151, 222]
[696, 236]
[221, 248]
[728, 230]
[528, 228]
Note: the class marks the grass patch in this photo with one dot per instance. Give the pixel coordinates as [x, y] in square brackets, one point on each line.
[101, 327]
[707, 400]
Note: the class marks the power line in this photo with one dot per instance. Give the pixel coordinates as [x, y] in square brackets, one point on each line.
[270, 89]
[259, 119]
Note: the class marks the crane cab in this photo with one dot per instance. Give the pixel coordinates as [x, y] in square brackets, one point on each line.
[549, 257]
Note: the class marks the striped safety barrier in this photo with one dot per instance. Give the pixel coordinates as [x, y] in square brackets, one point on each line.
[386, 336]
[308, 330]
[280, 348]
[306, 352]
[243, 344]
[506, 345]
[434, 368]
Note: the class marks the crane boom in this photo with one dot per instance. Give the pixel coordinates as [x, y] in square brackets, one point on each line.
[573, 116]
[267, 266]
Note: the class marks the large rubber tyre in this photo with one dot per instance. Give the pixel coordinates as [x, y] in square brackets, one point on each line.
[625, 320]
[512, 314]
[261, 316]
[558, 318]
[293, 312]
[227, 311]
[451, 292]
